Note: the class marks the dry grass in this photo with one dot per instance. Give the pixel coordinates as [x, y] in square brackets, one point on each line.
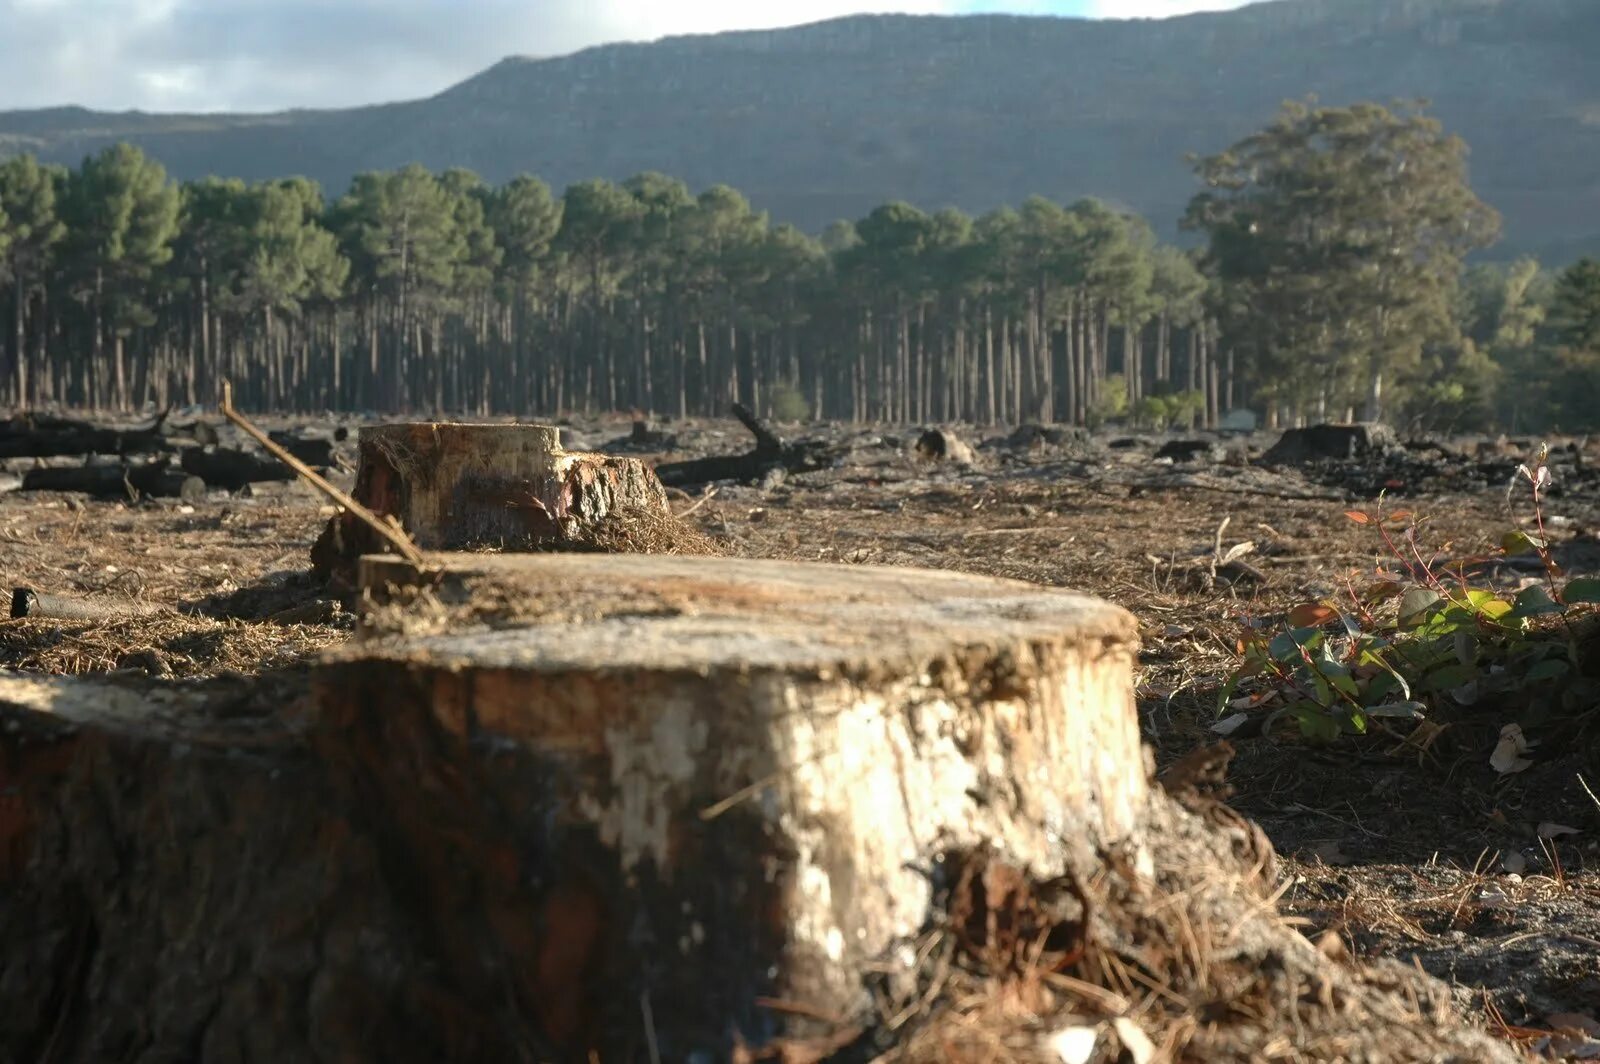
[1189, 963]
[169, 645]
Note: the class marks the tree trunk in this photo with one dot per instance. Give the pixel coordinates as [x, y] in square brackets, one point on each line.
[19, 348]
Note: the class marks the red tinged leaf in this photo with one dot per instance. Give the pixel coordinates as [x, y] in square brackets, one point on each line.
[1312, 615]
[1358, 517]
[1385, 589]
[1401, 516]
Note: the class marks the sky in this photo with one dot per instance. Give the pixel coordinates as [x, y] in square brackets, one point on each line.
[257, 55]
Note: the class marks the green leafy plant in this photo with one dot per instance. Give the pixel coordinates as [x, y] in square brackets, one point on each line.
[1111, 403]
[788, 402]
[1414, 634]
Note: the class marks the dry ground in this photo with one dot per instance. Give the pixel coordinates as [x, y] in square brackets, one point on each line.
[1426, 855]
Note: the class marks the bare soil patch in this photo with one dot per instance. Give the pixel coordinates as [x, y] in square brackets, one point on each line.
[1413, 855]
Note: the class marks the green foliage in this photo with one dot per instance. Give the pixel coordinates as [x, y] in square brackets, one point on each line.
[1417, 638]
[788, 404]
[1575, 306]
[1327, 277]
[1111, 403]
[1338, 235]
[524, 218]
[30, 225]
[1163, 411]
[122, 215]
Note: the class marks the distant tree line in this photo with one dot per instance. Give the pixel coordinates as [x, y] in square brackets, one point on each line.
[1332, 278]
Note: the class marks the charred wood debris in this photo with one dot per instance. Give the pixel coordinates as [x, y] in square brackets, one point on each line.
[186, 460]
[157, 458]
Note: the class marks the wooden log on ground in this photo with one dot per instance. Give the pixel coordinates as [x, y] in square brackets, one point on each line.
[314, 451]
[771, 452]
[74, 438]
[227, 467]
[460, 487]
[943, 445]
[1321, 442]
[154, 480]
[26, 602]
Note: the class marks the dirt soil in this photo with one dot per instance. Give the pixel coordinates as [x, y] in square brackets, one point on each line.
[1411, 851]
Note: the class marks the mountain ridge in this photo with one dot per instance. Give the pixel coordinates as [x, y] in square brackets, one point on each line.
[829, 119]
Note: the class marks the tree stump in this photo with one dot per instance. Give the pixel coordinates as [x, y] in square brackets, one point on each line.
[735, 782]
[463, 487]
[665, 804]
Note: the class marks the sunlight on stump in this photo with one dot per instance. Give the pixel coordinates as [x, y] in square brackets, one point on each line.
[717, 782]
[461, 487]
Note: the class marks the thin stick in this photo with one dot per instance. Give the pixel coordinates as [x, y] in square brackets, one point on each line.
[711, 493]
[394, 536]
[649, 1027]
[1584, 784]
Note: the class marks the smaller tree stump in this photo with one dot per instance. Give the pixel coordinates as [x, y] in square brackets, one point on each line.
[466, 487]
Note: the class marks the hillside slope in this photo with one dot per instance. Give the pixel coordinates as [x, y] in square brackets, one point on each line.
[826, 121]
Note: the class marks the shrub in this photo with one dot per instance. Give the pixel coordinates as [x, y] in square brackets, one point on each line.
[1417, 634]
[1111, 403]
[787, 402]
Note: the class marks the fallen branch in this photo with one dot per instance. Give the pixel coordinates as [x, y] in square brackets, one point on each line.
[386, 530]
[25, 602]
[771, 452]
[711, 493]
[154, 480]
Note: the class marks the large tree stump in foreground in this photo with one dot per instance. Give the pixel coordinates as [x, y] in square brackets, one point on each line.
[734, 781]
[670, 792]
[461, 487]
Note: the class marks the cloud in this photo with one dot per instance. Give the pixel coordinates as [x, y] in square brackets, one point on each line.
[204, 55]
[261, 54]
[1156, 8]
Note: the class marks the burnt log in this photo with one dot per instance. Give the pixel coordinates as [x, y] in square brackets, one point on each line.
[465, 487]
[225, 467]
[1191, 451]
[1316, 443]
[38, 436]
[771, 452]
[943, 445]
[116, 481]
[314, 451]
[1033, 437]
